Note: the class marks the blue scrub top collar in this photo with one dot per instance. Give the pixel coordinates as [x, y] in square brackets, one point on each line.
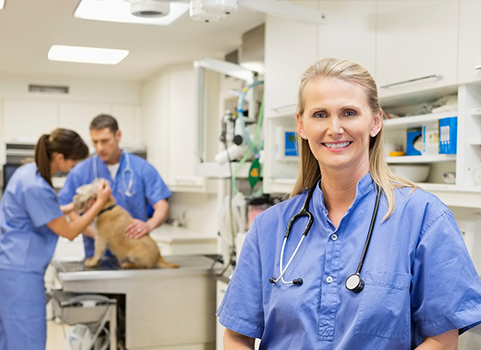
[364, 186]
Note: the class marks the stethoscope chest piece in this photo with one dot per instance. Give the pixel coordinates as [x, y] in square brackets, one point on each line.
[354, 283]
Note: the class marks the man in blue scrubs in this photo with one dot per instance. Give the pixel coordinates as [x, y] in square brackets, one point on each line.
[136, 185]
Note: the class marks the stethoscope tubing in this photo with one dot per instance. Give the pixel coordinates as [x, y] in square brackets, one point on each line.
[354, 282]
[127, 188]
[371, 228]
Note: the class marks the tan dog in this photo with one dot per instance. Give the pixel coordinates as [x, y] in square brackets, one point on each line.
[142, 253]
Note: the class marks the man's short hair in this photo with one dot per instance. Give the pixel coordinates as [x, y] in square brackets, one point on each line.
[103, 121]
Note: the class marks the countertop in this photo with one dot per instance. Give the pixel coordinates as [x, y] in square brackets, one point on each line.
[173, 234]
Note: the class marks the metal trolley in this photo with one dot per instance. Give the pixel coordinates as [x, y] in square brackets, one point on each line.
[88, 314]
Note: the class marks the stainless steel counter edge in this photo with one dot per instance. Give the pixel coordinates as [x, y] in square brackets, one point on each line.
[120, 274]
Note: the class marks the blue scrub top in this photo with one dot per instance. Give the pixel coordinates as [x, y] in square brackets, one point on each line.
[28, 204]
[147, 186]
[419, 278]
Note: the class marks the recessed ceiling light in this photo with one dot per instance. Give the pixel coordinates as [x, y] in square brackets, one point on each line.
[119, 11]
[2, 4]
[86, 54]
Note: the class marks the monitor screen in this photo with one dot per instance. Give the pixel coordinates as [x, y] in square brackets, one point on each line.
[8, 170]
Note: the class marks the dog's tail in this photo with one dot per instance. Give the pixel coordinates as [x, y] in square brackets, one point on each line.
[162, 263]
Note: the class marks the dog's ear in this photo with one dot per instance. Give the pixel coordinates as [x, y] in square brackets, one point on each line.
[90, 202]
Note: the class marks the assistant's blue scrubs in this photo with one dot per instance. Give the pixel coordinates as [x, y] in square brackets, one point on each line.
[26, 248]
[419, 278]
[147, 186]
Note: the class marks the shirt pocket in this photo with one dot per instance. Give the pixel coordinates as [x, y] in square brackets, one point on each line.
[385, 305]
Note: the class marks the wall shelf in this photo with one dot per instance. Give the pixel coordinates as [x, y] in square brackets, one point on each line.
[418, 120]
[421, 159]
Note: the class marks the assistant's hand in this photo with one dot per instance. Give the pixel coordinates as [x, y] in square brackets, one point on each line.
[103, 191]
[137, 229]
[67, 208]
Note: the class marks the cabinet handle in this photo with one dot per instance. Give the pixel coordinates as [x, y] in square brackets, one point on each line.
[185, 181]
[282, 109]
[438, 76]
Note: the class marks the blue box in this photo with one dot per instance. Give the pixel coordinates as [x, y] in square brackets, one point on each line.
[414, 142]
[448, 131]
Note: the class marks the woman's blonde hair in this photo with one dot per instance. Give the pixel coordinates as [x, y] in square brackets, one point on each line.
[309, 171]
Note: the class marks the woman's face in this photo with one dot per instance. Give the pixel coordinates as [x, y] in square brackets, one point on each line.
[338, 123]
[67, 164]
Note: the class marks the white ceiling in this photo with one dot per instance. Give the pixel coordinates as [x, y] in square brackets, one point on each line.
[29, 27]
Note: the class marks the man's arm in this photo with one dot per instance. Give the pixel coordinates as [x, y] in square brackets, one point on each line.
[139, 228]
[236, 341]
[444, 341]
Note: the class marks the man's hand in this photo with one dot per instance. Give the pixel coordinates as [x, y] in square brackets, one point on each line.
[137, 229]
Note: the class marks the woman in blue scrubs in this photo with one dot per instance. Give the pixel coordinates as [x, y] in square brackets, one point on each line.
[420, 289]
[30, 222]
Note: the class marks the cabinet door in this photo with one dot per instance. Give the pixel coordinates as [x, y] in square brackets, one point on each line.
[182, 126]
[349, 32]
[26, 120]
[126, 116]
[416, 39]
[469, 48]
[290, 48]
[77, 116]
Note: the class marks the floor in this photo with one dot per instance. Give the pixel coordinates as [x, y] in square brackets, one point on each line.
[57, 336]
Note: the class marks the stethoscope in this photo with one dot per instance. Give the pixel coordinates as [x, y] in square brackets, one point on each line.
[354, 282]
[127, 170]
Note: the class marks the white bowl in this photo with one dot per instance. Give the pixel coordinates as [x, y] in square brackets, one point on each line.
[449, 177]
[414, 173]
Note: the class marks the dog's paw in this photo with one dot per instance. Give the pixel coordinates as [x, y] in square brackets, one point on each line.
[91, 262]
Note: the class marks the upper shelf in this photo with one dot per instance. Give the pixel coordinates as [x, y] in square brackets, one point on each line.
[417, 120]
[421, 159]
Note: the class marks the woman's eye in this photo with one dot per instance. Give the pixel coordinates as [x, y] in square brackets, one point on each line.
[349, 113]
[319, 115]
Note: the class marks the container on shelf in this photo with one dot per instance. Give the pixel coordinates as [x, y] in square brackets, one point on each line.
[412, 172]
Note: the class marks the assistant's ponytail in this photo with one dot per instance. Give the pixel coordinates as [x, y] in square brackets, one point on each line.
[43, 157]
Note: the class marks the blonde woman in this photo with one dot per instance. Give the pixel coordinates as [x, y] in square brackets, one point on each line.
[380, 265]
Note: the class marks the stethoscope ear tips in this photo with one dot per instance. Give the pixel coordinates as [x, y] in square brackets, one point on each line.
[354, 283]
[272, 280]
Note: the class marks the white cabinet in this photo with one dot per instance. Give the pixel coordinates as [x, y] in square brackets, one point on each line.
[27, 120]
[469, 48]
[170, 127]
[77, 116]
[349, 32]
[416, 39]
[182, 126]
[128, 117]
[290, 48]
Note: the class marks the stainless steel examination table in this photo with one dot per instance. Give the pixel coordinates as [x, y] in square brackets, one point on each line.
[165, 309]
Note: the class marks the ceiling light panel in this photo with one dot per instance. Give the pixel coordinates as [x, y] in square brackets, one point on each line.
[2, 4]
[86, 54]
[119, 11]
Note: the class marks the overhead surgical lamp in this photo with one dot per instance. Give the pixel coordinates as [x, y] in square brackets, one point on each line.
[221, 7]
[214, 10]
[149, 8]
[198, 13]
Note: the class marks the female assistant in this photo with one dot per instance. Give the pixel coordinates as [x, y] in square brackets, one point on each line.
[31, 221]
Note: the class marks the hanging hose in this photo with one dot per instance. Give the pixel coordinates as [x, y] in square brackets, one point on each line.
[240, 114]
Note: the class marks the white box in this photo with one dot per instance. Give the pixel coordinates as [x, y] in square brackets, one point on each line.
[431, 138]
